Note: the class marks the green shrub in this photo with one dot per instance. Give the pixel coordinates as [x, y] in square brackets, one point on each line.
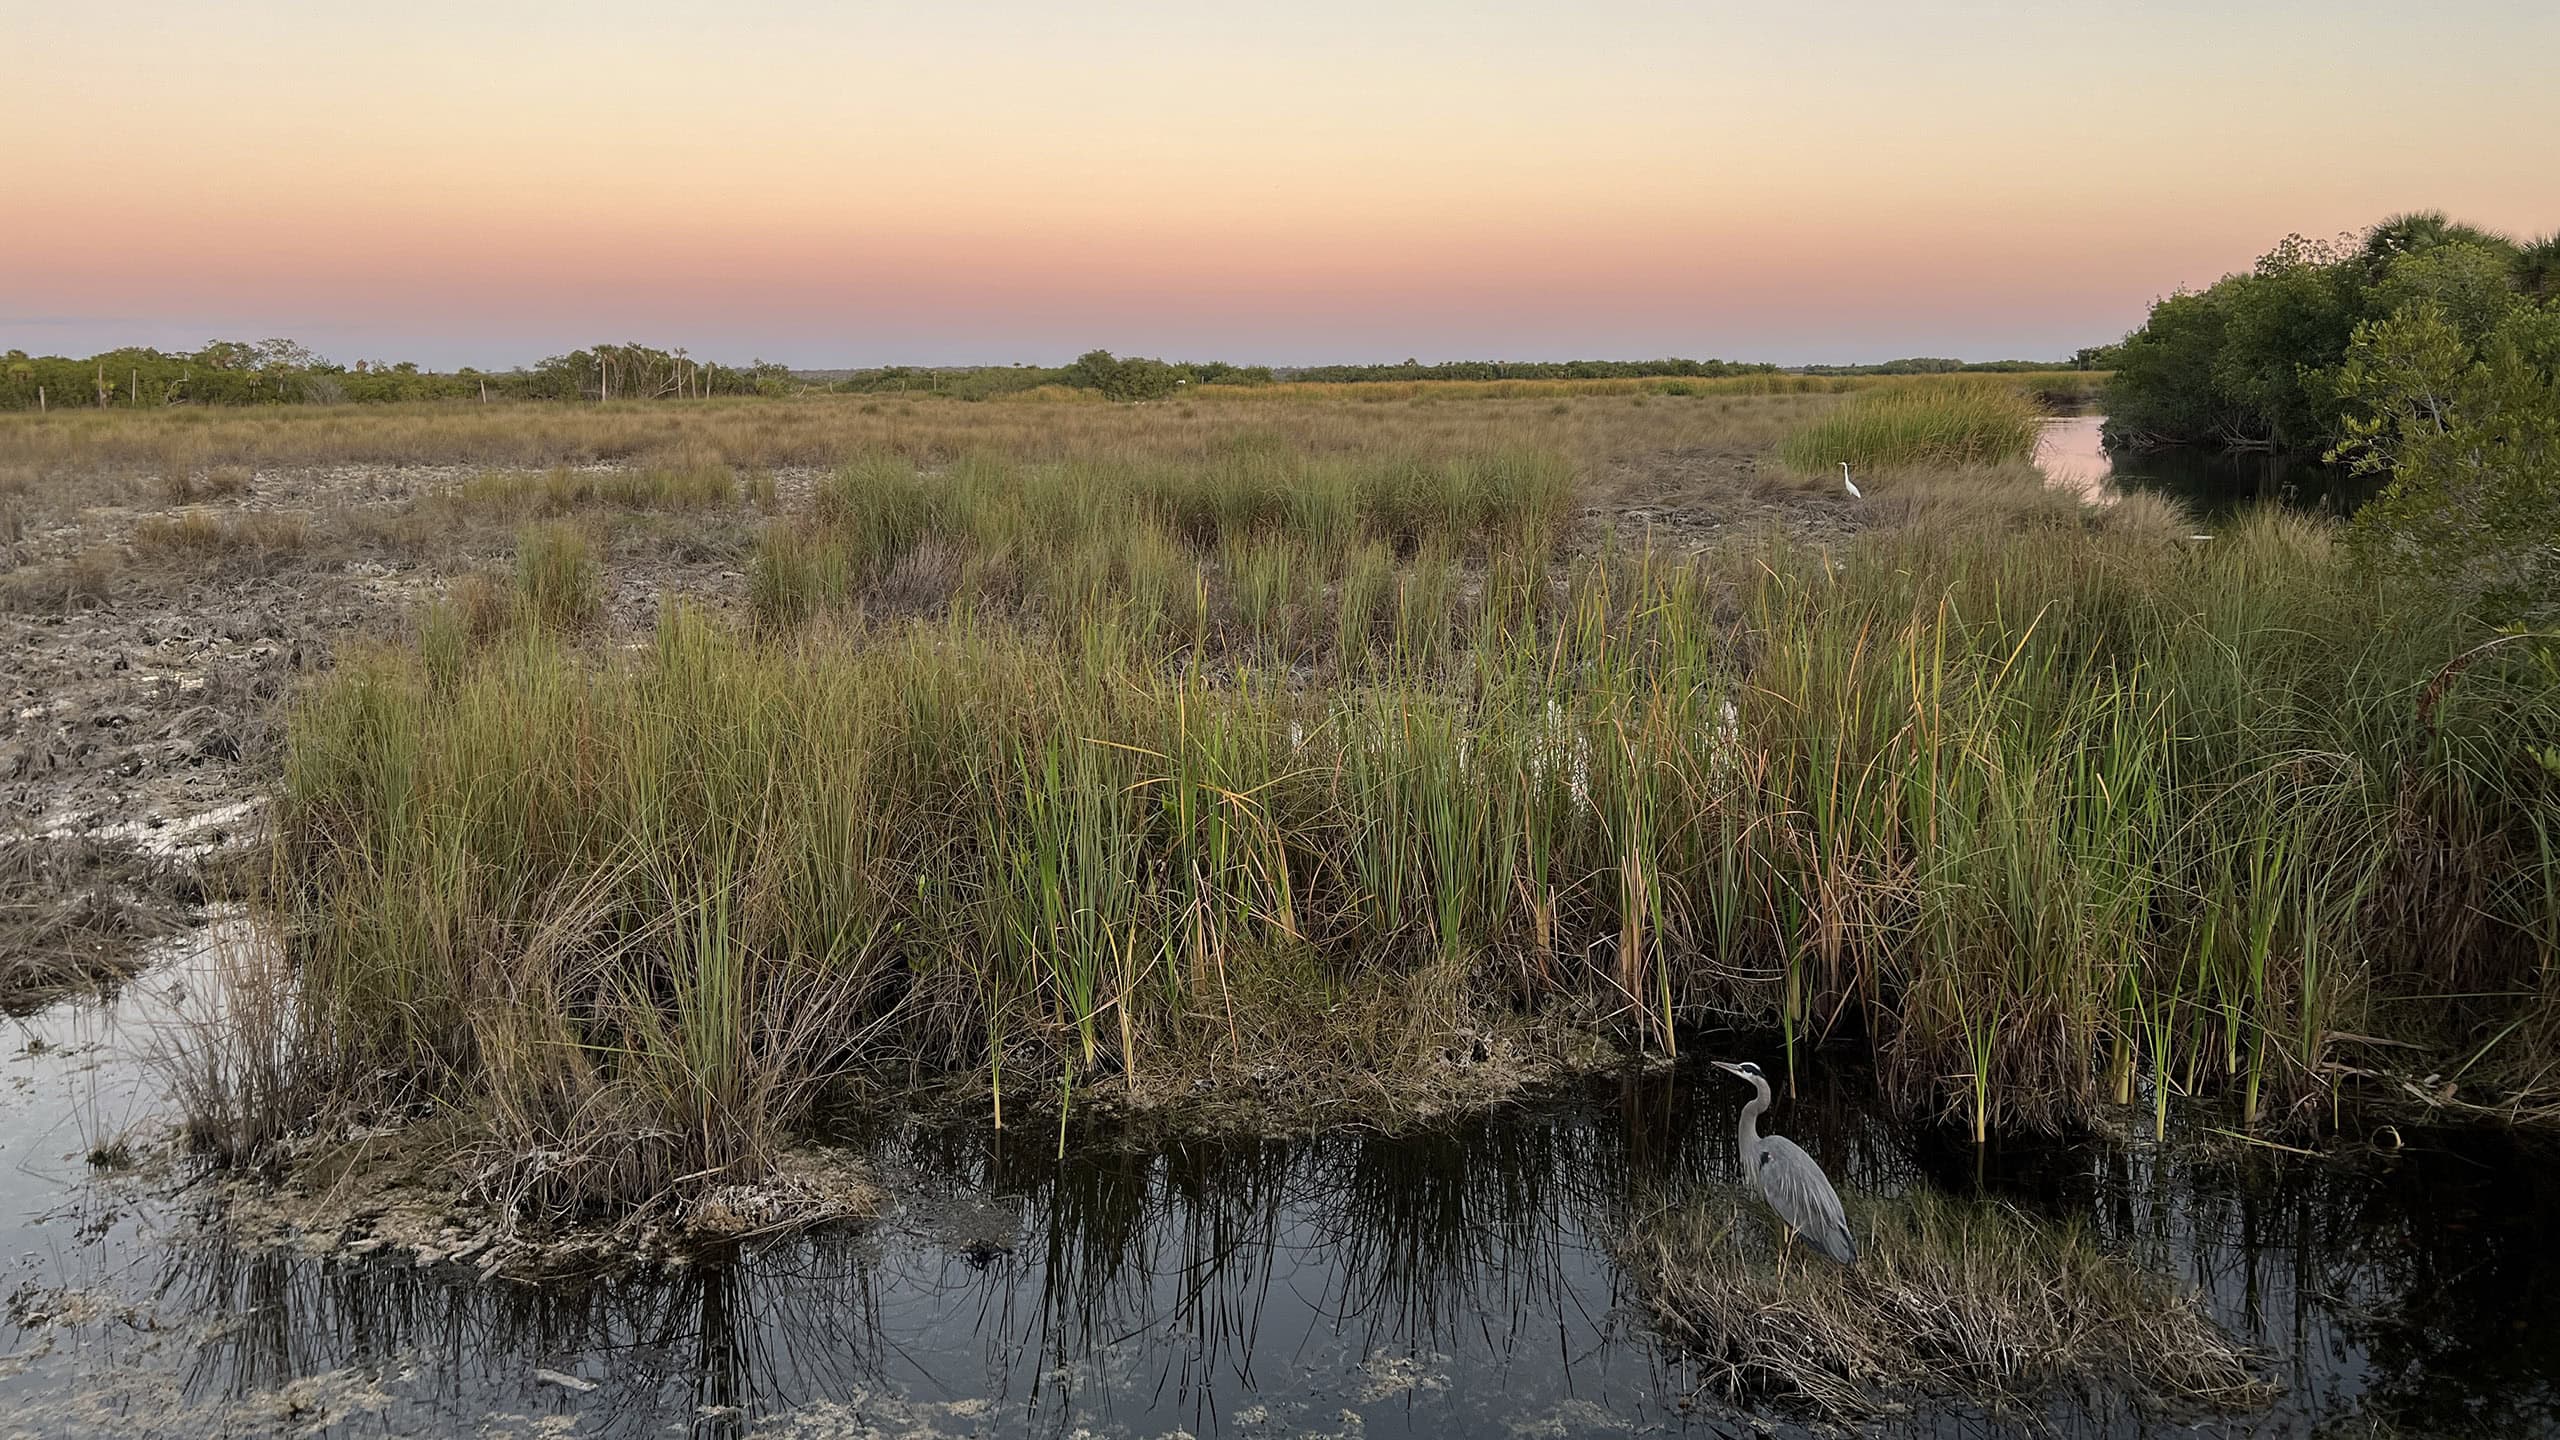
[2473, 449]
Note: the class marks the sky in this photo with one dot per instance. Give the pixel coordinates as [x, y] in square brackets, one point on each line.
[841, 183]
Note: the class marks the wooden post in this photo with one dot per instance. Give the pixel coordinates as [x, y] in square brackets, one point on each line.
[39, 399]
[134, 382]
[484, 389]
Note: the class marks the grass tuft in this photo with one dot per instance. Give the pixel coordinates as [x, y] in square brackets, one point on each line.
[1943, 425]
[77, 582]
[1974, 1300]
[562, 491]
[257, 541]
[558, 582]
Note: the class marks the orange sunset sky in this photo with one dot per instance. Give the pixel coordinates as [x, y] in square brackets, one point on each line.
[840, 184]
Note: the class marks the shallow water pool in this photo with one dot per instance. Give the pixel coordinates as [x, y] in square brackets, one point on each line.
[1458, 1282]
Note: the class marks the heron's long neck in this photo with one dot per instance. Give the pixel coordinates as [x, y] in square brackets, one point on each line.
[1748, 1132]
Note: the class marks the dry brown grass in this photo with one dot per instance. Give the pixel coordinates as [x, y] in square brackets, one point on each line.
[182, 486]
[77, 582]
[486, 605]
[74, 914]
[64, 447]
[257, 541]
[1970, 1299]
[563, 491]
[2149, 513]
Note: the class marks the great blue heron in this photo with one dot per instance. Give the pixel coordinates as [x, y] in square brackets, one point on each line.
[1788, 1179]
[1850, 485]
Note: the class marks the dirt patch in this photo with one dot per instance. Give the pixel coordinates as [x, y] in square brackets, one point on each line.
[1696, 498]
[158, 704]
[153, 648]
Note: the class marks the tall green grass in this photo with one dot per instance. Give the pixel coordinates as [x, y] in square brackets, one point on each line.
[1267, 548]
[558, 579]
[1945, 425]
[2051, 814]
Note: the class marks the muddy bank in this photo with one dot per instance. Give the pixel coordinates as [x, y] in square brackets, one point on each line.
[155, 635]
[439, 1190]
[388, 1196]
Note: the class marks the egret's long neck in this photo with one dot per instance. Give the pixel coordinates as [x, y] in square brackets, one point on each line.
[1748, 1132]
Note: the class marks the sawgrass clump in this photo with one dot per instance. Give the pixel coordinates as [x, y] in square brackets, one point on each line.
[1950, 424]
[1262, 548]
[559, 582]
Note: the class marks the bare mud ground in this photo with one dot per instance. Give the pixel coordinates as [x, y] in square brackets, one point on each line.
[148, 679]
[1698, 497]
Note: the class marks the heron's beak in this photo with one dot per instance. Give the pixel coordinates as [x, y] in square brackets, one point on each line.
[1726, 1066]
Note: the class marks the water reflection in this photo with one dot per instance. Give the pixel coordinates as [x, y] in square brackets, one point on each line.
[2210, 483]
[1458, 1282]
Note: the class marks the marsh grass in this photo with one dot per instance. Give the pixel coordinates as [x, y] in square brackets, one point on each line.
[1267, 747]
[1588, 420]
[558, 580]
[1285, 557]
[1973, 1300]
[561, 491]
[256, 540]
[76, 582]
[1946, 425]
[2052, 813]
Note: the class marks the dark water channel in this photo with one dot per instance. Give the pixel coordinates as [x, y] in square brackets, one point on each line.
[2210, 483]
[1458, 1282]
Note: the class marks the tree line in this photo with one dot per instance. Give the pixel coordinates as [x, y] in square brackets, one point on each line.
[1135, 377]
[284, 372]
[1943, 365]
[1526, 370]
[1114, 377]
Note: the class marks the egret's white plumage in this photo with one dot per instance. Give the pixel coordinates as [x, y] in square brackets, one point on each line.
[1850, 485]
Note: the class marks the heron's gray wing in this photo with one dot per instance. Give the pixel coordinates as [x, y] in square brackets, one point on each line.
[1797, 1189]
